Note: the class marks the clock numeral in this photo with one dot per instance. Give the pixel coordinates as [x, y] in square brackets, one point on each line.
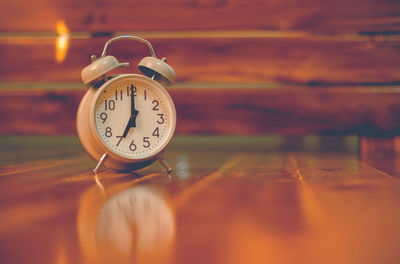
[120, 139]
[156, 132]
[155, 102]
[103, 116]
[130, 90]
[161, 121]
[109, 104]
[146, 142]
[132, 146]
[116, 95]
[145, 95]
[108, 132]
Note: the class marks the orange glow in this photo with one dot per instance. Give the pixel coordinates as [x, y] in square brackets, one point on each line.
[62, 41]
[61, 253]
[106, 233]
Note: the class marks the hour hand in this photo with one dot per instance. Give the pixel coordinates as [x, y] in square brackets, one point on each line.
[131, 123]
[127, 128]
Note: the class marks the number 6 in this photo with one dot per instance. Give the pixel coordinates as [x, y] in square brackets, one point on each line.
[132, 146]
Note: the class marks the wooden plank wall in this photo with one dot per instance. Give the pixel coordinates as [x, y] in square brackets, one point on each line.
[330, 111]
[304, 66]
[166, 15]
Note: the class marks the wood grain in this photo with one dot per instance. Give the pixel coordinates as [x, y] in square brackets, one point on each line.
[103, 16]
[282, 60]
[220, 206]
[239, 111]
[288, 111]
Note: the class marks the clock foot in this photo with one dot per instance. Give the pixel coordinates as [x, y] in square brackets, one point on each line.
[101, 162]
[98, 182]
[165, 164]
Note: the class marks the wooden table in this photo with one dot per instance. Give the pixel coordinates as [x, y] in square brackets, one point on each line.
[229, 200]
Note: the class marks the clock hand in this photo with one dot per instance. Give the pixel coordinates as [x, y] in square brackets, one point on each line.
[128, 126]
[133, 118]
[131, 123]
[134, 113]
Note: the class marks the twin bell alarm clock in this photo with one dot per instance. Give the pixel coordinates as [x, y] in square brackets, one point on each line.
[126, 121]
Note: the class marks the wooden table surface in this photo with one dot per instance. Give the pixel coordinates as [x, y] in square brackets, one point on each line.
[229, 200]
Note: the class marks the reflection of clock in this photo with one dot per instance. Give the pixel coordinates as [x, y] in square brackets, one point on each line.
[126, 121]
[132, 224]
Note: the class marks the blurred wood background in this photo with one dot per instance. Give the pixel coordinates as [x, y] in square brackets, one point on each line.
[243, 67]
[295, 70]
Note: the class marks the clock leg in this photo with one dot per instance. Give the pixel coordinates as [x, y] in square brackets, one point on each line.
[98, 182]
[165, 164]
[101, 162]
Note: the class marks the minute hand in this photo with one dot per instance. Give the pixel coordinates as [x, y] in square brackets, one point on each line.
[134, 112]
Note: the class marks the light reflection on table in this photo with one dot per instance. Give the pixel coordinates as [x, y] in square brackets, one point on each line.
[125, 224]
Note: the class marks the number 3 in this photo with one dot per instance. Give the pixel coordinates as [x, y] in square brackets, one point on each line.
[161, 121]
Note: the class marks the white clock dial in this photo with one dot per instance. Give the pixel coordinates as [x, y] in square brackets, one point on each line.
[137, 127]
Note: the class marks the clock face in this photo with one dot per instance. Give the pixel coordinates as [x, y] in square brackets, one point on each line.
[134, 116]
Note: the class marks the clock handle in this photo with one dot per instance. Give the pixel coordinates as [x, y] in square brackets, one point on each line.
[150, 66]
[108, 43]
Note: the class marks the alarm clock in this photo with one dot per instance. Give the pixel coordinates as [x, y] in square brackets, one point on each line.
[126, 121]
